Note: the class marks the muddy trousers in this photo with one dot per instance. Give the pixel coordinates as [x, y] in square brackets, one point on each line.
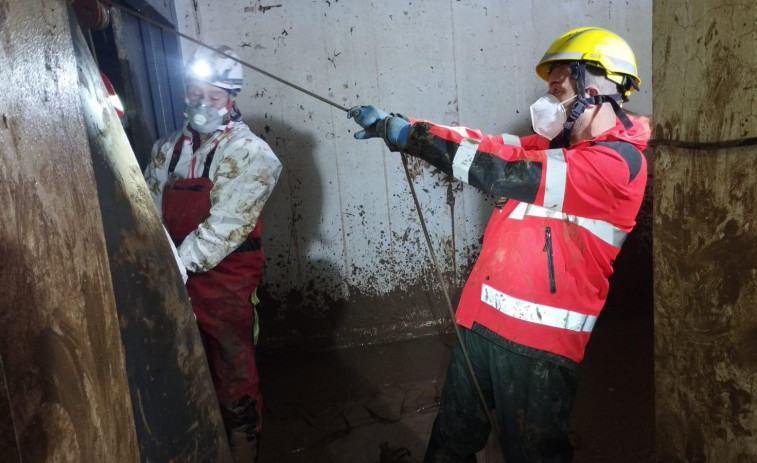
[532, 399]
[226, 323]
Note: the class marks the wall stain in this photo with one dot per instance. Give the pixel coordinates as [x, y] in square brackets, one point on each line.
[705, 259]
[332, 59]
[63, 377]
[314, 318]
[259, 7]
[4, 7]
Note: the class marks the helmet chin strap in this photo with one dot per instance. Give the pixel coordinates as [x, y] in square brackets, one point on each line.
[231, 112]
[579, 75]
[234, 112]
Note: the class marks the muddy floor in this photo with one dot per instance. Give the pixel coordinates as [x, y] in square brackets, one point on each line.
[340, 406]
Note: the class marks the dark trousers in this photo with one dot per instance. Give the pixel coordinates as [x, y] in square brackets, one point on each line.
[532, 397]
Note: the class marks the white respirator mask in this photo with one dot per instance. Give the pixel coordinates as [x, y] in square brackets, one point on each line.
[203, 117]
[548, 116]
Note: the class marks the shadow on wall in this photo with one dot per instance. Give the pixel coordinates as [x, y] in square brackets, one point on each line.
[300, 305]
[306, 302]
[301, 313]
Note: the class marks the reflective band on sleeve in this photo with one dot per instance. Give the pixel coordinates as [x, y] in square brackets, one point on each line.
[537, 313]
[464, 156]
[605, 231]
[508, 139]
[520, 211]
[554, 189]
[457, 129]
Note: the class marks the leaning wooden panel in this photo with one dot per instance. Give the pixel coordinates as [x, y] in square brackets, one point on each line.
[175, 408]
[59, 336]
[705, 232]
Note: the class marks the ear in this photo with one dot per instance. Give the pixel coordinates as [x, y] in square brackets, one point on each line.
[591, 91]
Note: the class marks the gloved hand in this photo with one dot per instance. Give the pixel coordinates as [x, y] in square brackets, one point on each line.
[368, 118]
[393, 129]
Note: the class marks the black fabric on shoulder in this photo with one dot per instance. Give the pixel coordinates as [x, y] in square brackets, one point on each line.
[628, 152]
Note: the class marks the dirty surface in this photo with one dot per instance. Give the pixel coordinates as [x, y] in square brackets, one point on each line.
[64, 378]
[338, 406]
[161, 343]
[705, 252]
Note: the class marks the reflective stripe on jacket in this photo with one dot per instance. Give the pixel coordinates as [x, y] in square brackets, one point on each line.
[541, 278]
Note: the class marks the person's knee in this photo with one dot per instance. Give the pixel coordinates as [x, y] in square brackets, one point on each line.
[449, 444]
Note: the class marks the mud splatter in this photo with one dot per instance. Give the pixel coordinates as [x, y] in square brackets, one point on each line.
[232, 168]
[260, 8]
[4, 6]
[332, 59]
[746, 349]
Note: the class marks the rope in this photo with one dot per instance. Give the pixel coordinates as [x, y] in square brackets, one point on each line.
[242, 62]
[446, 294]
[439, 275]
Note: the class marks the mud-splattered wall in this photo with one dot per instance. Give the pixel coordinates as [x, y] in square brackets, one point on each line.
[346, 258]
[705, 245]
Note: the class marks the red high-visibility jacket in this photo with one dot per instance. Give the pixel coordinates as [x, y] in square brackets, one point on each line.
[541, 278]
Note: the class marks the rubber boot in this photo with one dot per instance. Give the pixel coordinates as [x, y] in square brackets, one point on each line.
[244, 448]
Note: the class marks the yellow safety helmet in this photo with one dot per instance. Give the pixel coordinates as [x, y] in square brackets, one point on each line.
[596, 47]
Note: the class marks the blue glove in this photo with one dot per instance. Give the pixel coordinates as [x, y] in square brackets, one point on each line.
[367, 117]
[393, 129]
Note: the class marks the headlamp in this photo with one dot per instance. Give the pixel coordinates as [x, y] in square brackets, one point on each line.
[201, 70]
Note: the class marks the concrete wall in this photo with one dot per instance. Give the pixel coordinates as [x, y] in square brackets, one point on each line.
[347, 262]
[705, 246]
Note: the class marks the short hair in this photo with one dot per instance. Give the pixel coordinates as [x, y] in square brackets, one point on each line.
[597, 77]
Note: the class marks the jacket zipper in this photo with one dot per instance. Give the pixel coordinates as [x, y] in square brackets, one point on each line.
[550, 261]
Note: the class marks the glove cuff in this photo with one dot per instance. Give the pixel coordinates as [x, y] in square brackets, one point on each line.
[394, 130]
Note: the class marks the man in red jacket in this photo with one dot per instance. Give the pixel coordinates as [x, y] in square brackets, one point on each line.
[569, 197]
